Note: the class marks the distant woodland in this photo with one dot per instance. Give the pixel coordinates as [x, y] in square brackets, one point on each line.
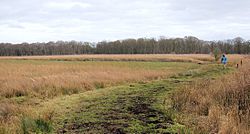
[186, 45]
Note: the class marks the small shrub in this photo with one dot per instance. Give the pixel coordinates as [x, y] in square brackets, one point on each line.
[217, 54]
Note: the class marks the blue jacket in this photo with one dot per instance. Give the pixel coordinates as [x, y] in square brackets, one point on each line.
[224, 60]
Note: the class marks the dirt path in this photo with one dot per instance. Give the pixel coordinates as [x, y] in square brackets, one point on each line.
[120, 113]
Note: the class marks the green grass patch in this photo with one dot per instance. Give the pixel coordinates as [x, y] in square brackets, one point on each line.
[30, 125]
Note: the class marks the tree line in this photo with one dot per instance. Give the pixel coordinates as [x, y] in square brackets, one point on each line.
[186, 45]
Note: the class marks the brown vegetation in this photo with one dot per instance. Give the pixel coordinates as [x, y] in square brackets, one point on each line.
[217, 106]
[48, 79]
[128, 57]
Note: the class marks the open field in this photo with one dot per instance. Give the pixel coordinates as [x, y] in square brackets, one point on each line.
[53, 75]
[100, 93]
[51, 78]
[126, 57]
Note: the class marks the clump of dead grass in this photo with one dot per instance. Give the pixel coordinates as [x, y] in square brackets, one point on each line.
[9, 117]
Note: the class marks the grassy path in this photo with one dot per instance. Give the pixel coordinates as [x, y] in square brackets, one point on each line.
[133, 108]
[125, 109]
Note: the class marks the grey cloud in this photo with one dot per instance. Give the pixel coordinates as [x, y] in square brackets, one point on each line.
[95, 20]
[16, 26]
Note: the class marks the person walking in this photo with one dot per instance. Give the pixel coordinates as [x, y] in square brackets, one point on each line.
[224, 60]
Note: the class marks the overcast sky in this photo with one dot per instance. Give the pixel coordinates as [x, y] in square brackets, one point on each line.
[97, 20]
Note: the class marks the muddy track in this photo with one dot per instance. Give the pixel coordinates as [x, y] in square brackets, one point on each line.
[120, 112]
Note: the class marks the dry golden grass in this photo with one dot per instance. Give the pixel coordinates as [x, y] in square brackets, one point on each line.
[221, 106]
[51, 78]
[11, 116]
[39, 76]
[9, 120]
[124, 57]
[195, 58]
